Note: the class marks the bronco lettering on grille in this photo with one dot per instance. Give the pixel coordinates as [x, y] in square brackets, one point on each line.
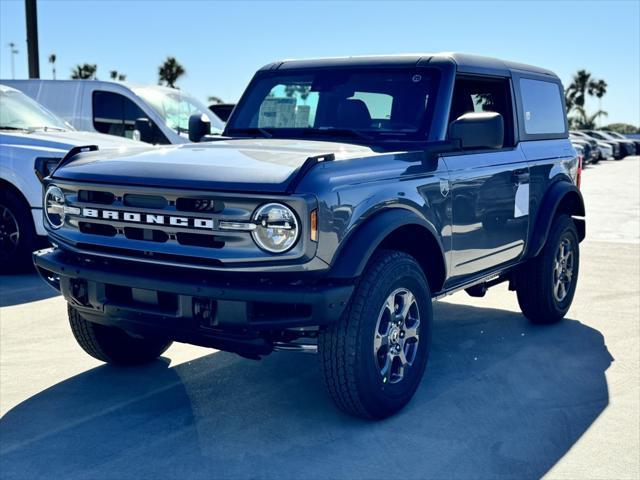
[149, 219]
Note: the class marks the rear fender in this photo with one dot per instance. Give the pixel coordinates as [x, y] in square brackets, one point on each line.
[562, 198]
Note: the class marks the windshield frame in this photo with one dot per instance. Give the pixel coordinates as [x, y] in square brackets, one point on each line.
[217, 125]
[26, 102]
[356, 136]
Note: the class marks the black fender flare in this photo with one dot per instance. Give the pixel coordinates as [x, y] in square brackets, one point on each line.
[561, 195]
[358, 247]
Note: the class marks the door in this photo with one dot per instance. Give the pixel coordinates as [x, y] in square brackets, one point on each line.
[489, 188]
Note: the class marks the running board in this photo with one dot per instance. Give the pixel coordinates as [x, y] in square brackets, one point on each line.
[295, 347]
[476, 287]
[480, 289]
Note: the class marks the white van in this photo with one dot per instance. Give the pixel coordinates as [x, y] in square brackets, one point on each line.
[151, 113]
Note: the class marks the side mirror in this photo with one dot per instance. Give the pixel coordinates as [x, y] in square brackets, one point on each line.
[478, 130]
[146, 130]
[199, 126]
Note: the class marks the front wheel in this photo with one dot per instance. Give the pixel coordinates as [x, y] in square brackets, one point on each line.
[547, 283]
[373, 359]
[17, 233]
[114, 345]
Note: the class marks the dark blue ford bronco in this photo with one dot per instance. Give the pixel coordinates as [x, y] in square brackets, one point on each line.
[345, 195]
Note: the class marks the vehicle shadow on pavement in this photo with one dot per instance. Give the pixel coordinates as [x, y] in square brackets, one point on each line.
[501, 399]
[16, 289]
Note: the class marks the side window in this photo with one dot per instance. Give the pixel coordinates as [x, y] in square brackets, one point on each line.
[542, 107]
[477, 94]
[114, 114]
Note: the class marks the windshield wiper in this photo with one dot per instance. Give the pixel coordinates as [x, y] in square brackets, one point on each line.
[253, 131]
[46, 128]
[9, 127]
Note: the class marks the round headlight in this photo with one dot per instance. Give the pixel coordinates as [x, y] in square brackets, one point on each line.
[54, 206]
[276, 228]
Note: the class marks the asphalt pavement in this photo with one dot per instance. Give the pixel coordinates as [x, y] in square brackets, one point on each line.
[501, 398]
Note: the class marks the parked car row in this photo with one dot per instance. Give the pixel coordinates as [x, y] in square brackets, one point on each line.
[596, 145]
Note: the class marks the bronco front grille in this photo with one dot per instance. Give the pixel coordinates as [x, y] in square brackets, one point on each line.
[166, 226]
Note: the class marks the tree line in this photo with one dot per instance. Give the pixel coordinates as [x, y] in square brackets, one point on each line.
[582, 86]
[168, 72]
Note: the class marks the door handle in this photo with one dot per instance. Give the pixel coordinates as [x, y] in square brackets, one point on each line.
[520, 176]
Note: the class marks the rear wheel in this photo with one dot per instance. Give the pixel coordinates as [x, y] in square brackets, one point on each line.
[546, 284]
[373, 359]
[17, 233]
[114, 345]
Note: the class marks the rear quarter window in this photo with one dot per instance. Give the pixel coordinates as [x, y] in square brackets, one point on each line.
[542, 107]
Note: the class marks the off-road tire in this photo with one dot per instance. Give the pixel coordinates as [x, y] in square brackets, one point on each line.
[113, 345]
[346, 351]
[18, 258]
[535, 279]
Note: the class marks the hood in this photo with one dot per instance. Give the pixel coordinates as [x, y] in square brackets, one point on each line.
[252, 165]
[53, 141]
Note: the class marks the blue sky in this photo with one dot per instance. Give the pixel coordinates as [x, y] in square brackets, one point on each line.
[221, 44]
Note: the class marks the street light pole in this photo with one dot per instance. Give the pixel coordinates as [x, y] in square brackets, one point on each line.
[13, 50]
[31, 10]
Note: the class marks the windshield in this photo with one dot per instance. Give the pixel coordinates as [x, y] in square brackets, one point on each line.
[599, 135]
[616, 135]
[175, 107]
[19, 112]
[371, 104]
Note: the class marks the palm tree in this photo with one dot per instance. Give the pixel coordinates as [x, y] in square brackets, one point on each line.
[170, 71]
[584, 84]
[52, 61]
[84, 72]
[583, 121]
[120, 77]
[598, 88]
[301, 90]
[577, 90]
[214, 99]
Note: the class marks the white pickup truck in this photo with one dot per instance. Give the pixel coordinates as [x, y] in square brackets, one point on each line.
[27, 132]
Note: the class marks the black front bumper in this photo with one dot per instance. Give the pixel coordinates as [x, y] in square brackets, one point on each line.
[188, 306]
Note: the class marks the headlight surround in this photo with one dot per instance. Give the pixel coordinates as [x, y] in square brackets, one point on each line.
[277, 228]
[54, 203]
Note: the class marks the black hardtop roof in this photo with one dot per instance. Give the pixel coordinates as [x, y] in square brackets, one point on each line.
[464, 63]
